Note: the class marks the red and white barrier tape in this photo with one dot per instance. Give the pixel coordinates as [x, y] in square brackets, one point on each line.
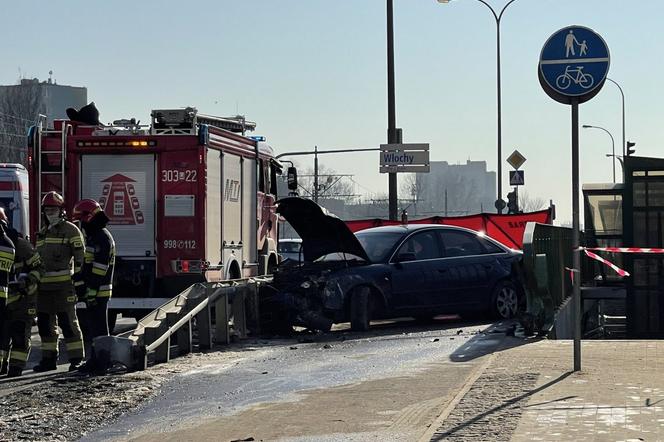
[624, 249]
[617, 269]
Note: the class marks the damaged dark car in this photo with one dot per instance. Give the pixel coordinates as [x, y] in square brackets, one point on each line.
[419, 271]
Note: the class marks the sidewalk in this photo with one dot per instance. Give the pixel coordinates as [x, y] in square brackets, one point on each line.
[530, 393]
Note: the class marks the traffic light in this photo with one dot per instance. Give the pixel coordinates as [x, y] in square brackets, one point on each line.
[512, 203]
[630, 148]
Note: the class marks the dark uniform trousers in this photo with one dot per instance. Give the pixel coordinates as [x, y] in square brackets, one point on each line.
[21, 304]
[98, 278]
[6, 263]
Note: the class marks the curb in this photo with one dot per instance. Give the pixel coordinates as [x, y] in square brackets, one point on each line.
[435, 425]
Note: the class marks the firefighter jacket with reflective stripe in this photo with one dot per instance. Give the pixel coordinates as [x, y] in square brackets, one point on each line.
[27, 262]
[61, 248]
[6, 263]
[99, 263]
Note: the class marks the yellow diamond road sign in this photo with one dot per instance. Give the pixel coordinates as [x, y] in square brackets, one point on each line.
[516, 160]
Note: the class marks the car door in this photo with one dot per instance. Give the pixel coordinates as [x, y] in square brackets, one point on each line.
[413, 269]
[468, 270]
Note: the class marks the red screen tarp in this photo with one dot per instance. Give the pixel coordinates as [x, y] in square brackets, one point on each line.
[506, 229]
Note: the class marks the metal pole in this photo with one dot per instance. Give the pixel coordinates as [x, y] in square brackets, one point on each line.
[622, 96]
[391, 110]
[316, 174]
[500, 134]
[576, 261]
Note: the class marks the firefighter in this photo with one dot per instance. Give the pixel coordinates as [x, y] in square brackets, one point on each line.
[6, 264]
[59, 243]
[98, 268]
[21, 303]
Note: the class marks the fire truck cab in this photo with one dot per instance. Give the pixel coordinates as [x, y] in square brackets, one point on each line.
[14, 195]
[189, 197]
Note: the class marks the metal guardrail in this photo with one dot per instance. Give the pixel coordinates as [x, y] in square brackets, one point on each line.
[547, 252]
[175, 323]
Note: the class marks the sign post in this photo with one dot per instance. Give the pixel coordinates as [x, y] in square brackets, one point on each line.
[573, 67]
[398, 158]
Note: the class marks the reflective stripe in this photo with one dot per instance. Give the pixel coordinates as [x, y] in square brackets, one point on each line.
[91, 293]
[78, 283]
[32, 289]
[2, 354]
[34, 259]
[18, 356]
[14, 298]
[8, 250]
[55, 241]
[62, 278]
[98, 271]
[105, 291]
[35, 274]
[77, 269]
[89, 257]
[49, 345]
[74, 345]
[58, 273]
[99, 265]
[76, 241]
[89, 249]
[3, 292]
[39, 243]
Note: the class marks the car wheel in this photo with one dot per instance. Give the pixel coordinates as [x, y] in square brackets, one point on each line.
[360, 309]
[505, 300]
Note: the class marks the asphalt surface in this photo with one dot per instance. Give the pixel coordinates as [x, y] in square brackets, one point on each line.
[278, 369]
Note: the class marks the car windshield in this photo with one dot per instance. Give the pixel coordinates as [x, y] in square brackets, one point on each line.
[289, 247]
[378, 245]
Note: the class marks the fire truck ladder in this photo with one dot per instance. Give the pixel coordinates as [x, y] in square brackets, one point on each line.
[42, 156]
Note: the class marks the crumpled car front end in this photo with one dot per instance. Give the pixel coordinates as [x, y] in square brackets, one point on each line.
[313, 294]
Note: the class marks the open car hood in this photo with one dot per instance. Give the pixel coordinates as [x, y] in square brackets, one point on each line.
[321, 234]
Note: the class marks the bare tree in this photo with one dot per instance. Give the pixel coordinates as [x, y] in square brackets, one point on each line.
[20, 106]
[528, 203]
[331, 185]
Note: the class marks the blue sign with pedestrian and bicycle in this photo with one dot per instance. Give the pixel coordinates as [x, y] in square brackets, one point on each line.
[574, 62]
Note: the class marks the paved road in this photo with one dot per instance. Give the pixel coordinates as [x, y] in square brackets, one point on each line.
[399, 377]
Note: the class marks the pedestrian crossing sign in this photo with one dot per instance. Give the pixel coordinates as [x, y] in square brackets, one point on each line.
[516, 178]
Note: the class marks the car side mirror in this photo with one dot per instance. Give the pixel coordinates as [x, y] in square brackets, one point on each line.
[292, 178]
[405, 257]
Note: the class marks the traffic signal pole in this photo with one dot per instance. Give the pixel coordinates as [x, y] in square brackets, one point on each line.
[391, 111]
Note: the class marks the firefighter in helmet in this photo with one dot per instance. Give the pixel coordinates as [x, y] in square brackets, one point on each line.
[98, 268]
[61, 247]
[6, 264]
[21, 302]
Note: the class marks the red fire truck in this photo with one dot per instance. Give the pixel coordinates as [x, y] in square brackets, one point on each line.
[189, 197]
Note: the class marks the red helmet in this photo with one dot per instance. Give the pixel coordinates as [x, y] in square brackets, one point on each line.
[85, 210]
[53, 199]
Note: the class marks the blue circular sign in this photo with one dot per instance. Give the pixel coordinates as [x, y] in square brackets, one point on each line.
[574, 63]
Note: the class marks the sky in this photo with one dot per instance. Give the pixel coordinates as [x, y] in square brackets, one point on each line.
[313, 73]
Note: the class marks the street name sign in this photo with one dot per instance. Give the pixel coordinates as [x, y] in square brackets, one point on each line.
[516, 160]
[517, 178]
[573, 64]
[401, 158]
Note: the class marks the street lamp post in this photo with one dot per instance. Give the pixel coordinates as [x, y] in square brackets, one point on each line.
[622, 95]
[498, 17]
[613, 146]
